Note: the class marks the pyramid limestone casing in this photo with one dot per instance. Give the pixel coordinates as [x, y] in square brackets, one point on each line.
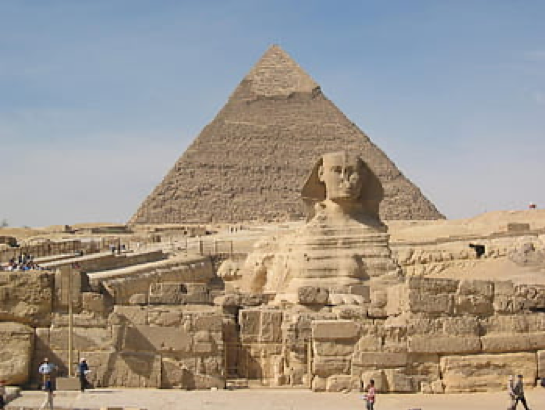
[250, 162]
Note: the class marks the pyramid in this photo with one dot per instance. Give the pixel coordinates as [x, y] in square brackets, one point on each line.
[251, 161]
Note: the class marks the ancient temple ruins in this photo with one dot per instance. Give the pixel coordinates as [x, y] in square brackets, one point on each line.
[325, 305]
[250, 161]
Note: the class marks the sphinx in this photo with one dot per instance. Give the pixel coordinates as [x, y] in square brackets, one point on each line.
[343, 247]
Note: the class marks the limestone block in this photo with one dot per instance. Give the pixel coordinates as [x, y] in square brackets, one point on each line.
[369, 344]
[536, 340]
[136, 315]
[93, 302]
[486, 372]
[138, 299]
[444, 344]
[381, 383]
[328, 366]
[504, 288]
[154, 338]
[347, 312]
[473, 305]
[88, 339]
[503, 343]
[476, 288]
[250, 323]
[541, 364]
[378, 313]
[504, 324]
[165, 316]
[433, 304]
[26, 297]
[379, 360]
[102, 364]
[379, 298]
[535, 322]
[16, 346]
[270, 326]
[132, 369]
[422, 364]
[334, 330]
[398, 299]
[333, 348]
[339, 383]
[461, 326]
[319, 383]
[433, 286]
[437, 387]
[208, 322]
[207, 382]
[399, 382]
[425, 388]
[312, 295]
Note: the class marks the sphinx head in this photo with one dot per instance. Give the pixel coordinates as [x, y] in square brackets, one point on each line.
[343, 178]
[342, 175]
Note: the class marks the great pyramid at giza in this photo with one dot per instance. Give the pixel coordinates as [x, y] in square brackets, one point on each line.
[252, 160]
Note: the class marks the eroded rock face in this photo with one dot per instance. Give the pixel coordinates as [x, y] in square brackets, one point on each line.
[16, 347]
[26, 297]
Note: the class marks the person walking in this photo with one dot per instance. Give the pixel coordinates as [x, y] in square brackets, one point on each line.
[48, 388]
[370, 396]
[518, 389]
[83, 370]
[46, 370]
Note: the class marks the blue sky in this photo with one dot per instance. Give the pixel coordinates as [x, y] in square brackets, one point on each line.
[98, 98]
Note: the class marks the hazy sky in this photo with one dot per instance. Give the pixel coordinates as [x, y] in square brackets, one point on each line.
[98, 98]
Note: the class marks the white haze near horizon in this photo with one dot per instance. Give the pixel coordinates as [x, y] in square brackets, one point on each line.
[98, 99]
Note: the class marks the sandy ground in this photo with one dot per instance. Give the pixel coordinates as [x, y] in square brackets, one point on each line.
[251, 399]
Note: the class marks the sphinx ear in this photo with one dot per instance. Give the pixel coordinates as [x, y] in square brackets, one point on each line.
[321, 173]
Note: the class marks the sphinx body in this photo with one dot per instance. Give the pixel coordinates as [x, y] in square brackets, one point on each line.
[344, 245]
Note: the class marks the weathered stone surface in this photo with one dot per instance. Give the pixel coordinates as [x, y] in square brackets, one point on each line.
[16, 346]
[444, 344]
[339, 383]
[87, 339]
[157, 339]
[334, 330]
[333, 348]
[132, 369]
[381, 383]
[326, 366]
[93, 302]
[312, 295]
[541, 364]
[399, 382]
[380, 360]
[485, 372]
[26, 297]
[137, 315]
[276, 98]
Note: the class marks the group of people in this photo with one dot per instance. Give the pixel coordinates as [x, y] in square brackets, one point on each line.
[23, 263]
[48, 370]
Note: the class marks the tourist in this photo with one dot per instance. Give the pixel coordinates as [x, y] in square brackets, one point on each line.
[46, 369]
[511, 392]
[369, 397]
[83, 370]
[2, 394]
[48, 388]
[518, 389]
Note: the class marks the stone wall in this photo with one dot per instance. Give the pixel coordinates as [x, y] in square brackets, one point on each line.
[429, 335]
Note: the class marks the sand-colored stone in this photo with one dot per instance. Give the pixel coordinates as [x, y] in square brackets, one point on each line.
[16, 346]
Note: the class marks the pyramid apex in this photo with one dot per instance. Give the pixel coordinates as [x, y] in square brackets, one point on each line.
[277, 74]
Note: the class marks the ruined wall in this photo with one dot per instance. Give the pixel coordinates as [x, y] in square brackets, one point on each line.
[429, 335]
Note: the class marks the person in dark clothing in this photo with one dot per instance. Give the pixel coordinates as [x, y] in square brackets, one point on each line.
[83, 369]
[518, 389]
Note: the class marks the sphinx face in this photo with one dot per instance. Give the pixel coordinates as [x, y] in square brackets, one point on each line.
[342, 176]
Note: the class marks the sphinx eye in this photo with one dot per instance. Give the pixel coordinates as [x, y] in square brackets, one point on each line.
[337, 170]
